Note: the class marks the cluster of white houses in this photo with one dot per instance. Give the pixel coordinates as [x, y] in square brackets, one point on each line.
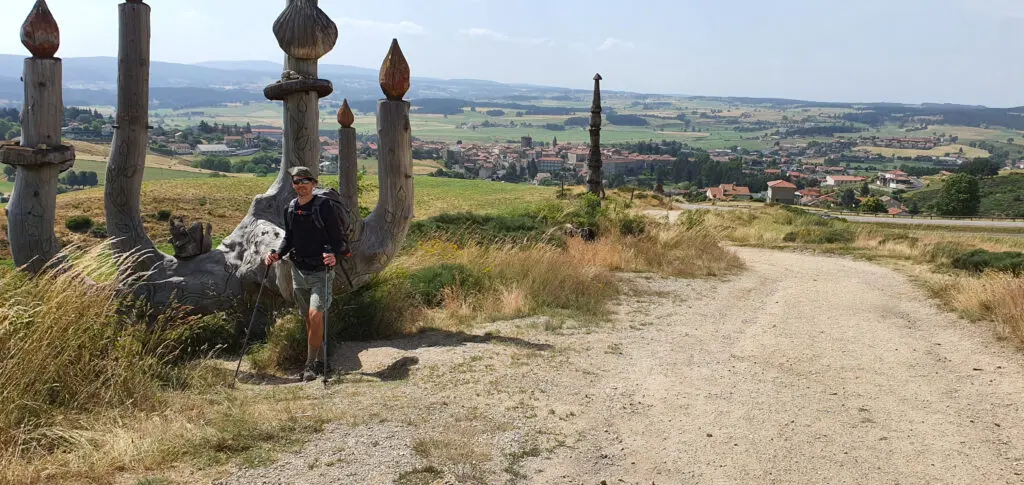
[489, 161]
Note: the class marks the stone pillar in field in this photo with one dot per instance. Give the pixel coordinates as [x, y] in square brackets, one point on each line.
[595, 183]
[40, 157]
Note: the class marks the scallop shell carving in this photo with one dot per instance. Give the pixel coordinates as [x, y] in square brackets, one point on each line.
[304, 31]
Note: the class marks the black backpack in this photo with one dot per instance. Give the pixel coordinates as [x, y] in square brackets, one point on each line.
[320, 197]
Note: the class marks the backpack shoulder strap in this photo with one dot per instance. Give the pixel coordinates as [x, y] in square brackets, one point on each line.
[318, 200]
[290, 214]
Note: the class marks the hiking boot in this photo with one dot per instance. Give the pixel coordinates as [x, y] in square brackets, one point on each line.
[307, 374]
[320, 368]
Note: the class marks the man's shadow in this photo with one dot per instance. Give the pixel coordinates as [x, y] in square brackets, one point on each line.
[345, 361]
[346, 357]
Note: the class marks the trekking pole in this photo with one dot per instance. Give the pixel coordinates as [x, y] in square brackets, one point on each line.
[327, 293]
[245, 342]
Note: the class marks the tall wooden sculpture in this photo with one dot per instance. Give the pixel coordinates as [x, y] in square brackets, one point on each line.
[595, 183]
[215, 280]
[40, 157]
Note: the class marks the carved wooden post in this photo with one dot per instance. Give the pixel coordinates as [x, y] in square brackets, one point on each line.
[383, 232]
[348, 168]
[216, 280]
[594, 181]
[131, 134]
[305, 33]
[40, 157]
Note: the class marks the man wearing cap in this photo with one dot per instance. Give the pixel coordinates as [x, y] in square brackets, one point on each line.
[310, 225]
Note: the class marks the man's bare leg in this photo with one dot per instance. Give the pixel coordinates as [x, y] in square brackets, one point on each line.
[314, 337]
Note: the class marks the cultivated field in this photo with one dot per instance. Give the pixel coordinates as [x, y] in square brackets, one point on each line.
[941, 151]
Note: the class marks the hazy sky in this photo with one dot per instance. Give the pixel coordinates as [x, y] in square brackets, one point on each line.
[963, 51]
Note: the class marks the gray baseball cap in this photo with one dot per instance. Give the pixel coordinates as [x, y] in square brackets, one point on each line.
[301, 172]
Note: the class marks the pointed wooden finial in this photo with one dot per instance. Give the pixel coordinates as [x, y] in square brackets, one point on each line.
[394, 73]
[39, 33]
[345, 116]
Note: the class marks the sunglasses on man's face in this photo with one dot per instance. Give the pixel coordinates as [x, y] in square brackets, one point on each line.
[302, 181]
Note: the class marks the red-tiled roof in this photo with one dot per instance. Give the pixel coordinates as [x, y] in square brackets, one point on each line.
[847, 178]
[781, 184]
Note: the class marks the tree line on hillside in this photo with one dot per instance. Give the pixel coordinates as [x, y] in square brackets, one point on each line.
[451, 106]
[878, 115]
[626, 120]
[80, 179]
[10, 123]
[693, 166]
[822, 131]
[260, 164]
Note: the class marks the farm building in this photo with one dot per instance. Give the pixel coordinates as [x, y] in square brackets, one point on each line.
[781, 192]
[222, 150]
[841, 180]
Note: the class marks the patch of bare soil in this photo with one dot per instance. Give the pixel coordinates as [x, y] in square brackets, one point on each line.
[803, 369]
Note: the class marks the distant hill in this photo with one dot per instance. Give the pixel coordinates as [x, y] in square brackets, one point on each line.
[1001, 196]
[92, 80]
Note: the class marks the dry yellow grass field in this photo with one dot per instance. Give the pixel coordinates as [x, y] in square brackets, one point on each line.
[941, 151]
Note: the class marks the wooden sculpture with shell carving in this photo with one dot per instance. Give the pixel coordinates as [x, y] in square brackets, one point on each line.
[215, 280]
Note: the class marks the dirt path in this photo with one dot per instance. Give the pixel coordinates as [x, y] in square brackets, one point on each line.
[803, 369]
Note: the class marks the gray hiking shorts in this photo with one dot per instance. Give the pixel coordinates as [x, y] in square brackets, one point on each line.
[312, 289]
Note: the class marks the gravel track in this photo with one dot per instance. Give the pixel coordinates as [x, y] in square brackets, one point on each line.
[802, 369]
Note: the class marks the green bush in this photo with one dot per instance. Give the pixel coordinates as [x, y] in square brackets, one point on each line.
[186, 338]
[466, 227]
[285, 347]
[99, 231]
[980, 260]
[80, 224]
[163, 215]
[387, 307]
[428, 284]
[631, 225]
[945, 251]
[821, 235]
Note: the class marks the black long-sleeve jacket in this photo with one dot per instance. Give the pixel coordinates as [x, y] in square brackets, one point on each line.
[305, 241]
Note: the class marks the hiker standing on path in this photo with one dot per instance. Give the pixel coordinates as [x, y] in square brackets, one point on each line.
[311, 223]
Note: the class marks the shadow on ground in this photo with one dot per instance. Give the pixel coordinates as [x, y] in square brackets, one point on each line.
[348, 367]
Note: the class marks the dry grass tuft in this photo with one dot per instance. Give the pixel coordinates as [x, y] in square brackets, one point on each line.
[994, 297]
[88, 393]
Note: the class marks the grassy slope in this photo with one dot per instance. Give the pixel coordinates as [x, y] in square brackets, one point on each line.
[1000, 196]
[224, 202]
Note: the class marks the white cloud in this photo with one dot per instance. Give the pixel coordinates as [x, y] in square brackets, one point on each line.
[613, 43]
[500, 37]
[390, 28]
